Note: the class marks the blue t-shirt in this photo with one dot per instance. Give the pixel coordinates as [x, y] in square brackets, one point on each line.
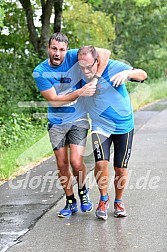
[110, 108]
[65, 78]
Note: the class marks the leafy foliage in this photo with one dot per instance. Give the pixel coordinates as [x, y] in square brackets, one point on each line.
[16, 83]
[14, 130]
[141, 32]
[14, 36]
[2, 12]
[94, 3]
[90, 27]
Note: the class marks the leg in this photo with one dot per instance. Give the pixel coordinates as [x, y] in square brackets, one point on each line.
[77, 163]
[77, 140]
[122, 151]
[101, 147]
[65, 174]
[101, 175]
[58, 137]
[66, 178]
[121, 175]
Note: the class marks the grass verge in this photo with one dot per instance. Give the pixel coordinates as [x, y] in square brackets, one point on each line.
[148, 92]
[17, 157]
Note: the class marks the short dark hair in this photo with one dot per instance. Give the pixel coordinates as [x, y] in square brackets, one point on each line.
[60, 37]
[84, 50]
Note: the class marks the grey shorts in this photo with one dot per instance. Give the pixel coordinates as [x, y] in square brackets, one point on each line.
[68, 134]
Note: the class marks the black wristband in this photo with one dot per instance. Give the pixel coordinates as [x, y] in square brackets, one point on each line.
[97, 77]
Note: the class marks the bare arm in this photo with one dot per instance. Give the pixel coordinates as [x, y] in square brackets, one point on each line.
[134, 74]
[103, 57]
[60, 100]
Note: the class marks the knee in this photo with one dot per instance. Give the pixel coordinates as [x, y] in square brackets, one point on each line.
[101, 165]
[121, 171]
[77, 165]
[63, 167]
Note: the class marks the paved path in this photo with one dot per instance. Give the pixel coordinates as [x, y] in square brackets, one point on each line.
[22, 209]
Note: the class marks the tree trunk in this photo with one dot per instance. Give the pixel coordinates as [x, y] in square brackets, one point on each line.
[58, 8]
[45, 31]
[30, 23]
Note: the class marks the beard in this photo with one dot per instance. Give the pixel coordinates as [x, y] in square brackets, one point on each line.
[55, 61]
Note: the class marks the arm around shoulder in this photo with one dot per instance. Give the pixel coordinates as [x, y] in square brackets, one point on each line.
[103, 57]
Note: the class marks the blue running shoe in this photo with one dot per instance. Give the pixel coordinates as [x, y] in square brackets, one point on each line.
[86, 203]
[69, 209]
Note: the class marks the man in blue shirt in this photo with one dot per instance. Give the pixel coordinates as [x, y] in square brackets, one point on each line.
[58, 79]
[112, 119]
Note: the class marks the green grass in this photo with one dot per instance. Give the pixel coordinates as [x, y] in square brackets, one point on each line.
[148, 92]
[37, 145]
[14, 158]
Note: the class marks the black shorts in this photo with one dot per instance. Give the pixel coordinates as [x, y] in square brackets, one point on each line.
[122, 147]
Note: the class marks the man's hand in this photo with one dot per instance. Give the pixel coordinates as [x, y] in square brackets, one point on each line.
[120, 78]
[89, 89]
[138, 75]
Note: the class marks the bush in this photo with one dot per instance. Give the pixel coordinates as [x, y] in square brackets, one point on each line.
[16, 83]
[14, 129]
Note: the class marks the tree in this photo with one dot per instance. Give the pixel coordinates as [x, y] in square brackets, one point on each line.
[39, 35]
[140, 32]
[84, 16]
[90, 27]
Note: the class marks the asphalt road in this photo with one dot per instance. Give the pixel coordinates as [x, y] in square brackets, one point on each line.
[29, 203]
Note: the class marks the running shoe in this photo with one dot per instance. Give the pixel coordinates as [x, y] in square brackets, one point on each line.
[119, 209]
[86, 203]
[101, 211]
[69, 209]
